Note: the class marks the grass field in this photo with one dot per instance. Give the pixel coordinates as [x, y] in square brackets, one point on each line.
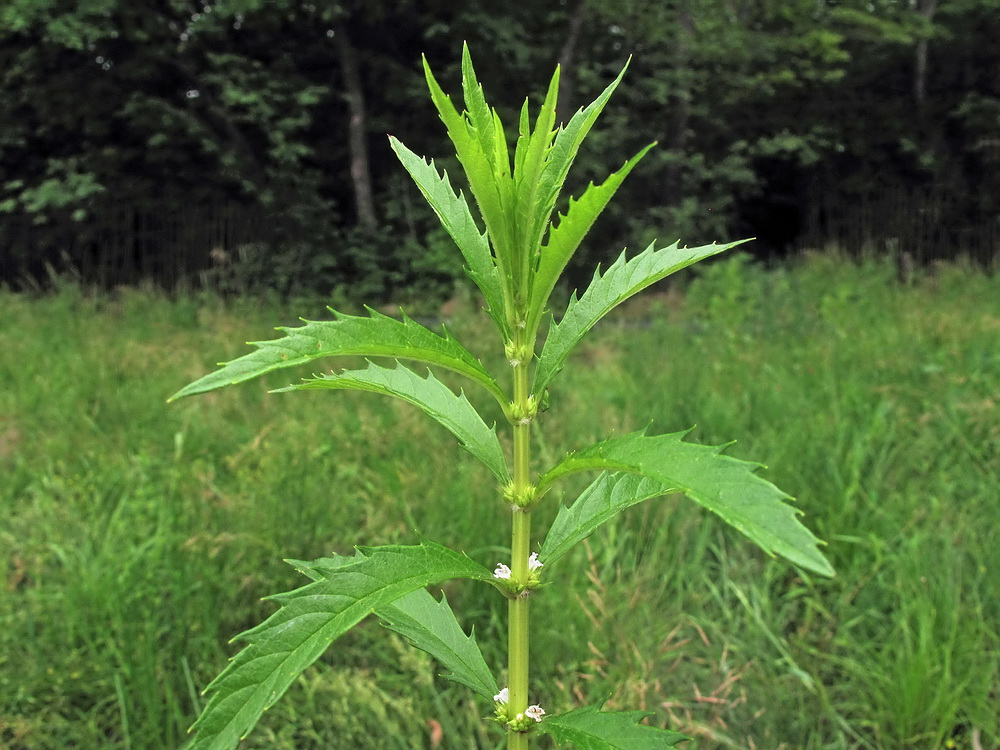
[138, 537]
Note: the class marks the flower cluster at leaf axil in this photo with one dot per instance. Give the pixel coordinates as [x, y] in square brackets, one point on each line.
[520, 722]
[505, 577]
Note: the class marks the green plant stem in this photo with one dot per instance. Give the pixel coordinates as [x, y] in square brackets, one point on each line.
[517, 634]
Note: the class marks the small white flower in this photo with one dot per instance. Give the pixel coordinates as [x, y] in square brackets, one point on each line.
[502, 696]
[533, 563]
[502, 571]
[535, 712]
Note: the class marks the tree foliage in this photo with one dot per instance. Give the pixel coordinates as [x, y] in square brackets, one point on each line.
[761, 111]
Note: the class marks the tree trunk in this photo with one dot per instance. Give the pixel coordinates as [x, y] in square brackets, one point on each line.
[681, 110]
[926, 8]
[357, 145]
[567, 72]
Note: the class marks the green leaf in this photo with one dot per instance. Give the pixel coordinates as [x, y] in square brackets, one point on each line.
[454, 213]
[484, 126]
[309, 620]
[559, 158]
[501, 156]
[478, 168]
[430, 625]
[604, 499]
[453, 411]
[530, 163]
[482, 120]
[590, 728]
[375, 336]
[623, 279]
[321, 568]
[566, 236]
[724, 485]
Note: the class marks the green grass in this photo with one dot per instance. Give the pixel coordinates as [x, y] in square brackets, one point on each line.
[138, 537]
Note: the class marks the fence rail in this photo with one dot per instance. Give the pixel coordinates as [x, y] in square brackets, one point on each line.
[178, 249]
[125, 245]
[922, 225]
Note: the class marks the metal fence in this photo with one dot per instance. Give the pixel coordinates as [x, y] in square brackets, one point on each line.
[183, 248]
[921, 225]
[124, 245]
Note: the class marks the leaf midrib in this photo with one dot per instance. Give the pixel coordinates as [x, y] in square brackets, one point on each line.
[312, 636]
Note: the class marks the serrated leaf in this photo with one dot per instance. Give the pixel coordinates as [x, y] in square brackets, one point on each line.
[559, 158]
[453, 411]
[484, 126]
[623, 279]
[604, 499]
[501, 157]
[536, 144]
[374, 336]
[589, 728]
[431, 626]
[531, 161]
[309, 620]
[523, 139]
[566, 236]
[456, 217]
[478, 171]
[480, 117]
[722, 484]
[428, 624]
[320, 568]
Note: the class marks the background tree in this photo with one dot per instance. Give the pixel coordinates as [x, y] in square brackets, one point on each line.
[785, 121]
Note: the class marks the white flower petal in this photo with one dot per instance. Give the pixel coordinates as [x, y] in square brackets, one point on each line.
[535, 712]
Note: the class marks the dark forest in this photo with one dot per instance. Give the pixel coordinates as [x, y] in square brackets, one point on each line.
[241, 145]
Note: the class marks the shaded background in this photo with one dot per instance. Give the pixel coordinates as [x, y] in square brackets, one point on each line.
[240, 144]
[149, 151]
